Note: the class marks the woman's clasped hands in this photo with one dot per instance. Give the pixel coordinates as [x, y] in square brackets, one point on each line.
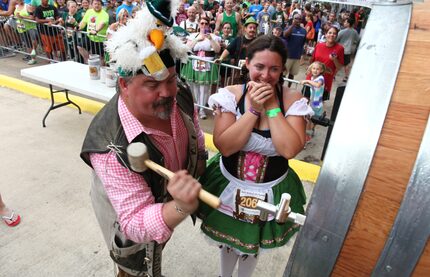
[260, 95]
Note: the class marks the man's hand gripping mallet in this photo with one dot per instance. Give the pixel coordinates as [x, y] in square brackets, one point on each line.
[139, 162]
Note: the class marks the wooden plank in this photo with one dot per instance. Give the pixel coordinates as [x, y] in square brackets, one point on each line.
[366, 236]
[404, 125]
[421, 83]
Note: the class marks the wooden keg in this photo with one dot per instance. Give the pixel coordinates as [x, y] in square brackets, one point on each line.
[369, 214]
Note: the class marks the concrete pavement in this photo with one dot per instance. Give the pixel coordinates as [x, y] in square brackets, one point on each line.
[44, 180]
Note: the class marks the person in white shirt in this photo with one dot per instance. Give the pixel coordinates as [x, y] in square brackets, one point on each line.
[190, 25]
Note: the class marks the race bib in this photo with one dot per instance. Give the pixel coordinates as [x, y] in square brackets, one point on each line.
[91, 26]
[239, 198]
[246, 205]
[20, 26]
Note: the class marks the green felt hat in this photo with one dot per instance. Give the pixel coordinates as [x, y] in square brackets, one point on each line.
[180, 32]
[161, 10]
[250, 20]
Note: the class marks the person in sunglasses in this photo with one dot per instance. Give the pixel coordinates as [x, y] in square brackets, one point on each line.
[199, 73]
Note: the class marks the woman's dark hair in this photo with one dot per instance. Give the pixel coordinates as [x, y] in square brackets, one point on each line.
[226, 23]
[204, 18]
[265, 42]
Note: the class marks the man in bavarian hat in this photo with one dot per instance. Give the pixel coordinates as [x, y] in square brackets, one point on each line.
[137, 212]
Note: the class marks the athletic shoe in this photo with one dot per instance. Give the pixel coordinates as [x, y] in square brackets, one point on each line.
[31, 62]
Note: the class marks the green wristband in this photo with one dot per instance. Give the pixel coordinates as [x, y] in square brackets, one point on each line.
[273, 112]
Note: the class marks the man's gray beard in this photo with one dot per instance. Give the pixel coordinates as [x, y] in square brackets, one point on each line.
[167, 104]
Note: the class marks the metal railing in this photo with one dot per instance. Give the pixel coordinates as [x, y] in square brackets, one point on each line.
[50, 42]
[57, 43]
[225, 75]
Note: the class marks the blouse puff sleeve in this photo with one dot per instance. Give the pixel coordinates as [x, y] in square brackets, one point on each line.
[226, 102]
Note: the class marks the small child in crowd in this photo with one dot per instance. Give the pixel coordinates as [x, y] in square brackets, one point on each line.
[316, 82]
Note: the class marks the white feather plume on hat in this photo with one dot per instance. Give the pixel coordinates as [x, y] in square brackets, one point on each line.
[130, 45]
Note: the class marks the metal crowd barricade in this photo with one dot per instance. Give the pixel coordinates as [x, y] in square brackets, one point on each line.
[8, 39]
[21, 35]
[83, 43]
[227, 75]
[51, 42]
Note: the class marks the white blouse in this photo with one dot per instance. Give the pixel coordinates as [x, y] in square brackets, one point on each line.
[226, 101]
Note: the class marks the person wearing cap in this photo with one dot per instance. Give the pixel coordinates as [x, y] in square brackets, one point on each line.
[236, 49]
[138, 211]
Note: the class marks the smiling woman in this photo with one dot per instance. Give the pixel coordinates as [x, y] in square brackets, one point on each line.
[331, 54]
[259, 125]
[199, 73]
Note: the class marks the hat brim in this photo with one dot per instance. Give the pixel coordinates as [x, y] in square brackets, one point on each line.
[165, 57]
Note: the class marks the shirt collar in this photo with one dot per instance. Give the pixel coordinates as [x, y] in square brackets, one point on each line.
[132, 127]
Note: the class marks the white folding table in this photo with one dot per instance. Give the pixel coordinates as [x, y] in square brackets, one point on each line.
[71, 76]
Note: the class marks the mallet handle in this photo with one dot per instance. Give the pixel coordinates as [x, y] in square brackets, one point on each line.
[205, 196]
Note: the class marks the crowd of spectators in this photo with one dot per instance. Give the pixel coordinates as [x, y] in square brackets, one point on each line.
[301, 25]
[64, 29]
[218, 31]
[215, 31]
[310, 31]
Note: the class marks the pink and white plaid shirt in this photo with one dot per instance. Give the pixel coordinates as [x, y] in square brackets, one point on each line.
[138, 215]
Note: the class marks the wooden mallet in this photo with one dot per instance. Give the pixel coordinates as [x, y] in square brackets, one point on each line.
[139, 162]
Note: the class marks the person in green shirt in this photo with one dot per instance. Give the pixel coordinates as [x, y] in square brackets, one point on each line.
[84, 5]
[229, 16]
[26, 29]
[95, 23]
[70, 20]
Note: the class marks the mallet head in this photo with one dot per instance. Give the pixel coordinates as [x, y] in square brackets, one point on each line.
[137, 154]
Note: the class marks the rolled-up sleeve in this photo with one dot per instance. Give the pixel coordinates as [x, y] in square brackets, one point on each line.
[139, 216]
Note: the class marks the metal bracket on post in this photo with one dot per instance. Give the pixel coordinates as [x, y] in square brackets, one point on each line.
[282, 212]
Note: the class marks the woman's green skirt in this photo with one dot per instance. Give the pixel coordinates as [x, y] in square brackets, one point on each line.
[246, 237]
[200, 77]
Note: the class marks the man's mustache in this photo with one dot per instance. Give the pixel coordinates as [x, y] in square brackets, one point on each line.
[163, 102]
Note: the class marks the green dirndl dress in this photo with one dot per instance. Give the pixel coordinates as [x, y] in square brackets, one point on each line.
[246, 237]
[200, 72]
